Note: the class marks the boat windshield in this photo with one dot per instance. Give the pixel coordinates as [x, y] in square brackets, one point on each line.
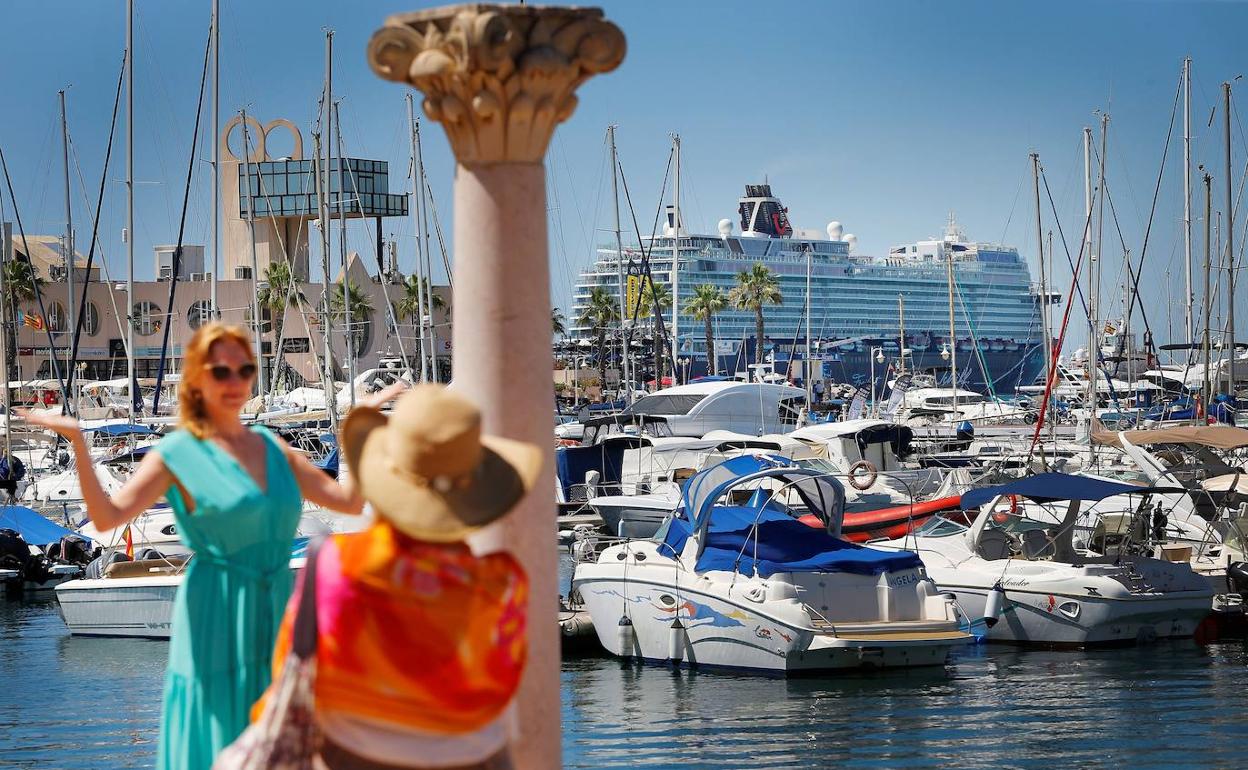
[938, 526]
[659, 404]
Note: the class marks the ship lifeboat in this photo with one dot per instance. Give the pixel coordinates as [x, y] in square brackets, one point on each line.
[888, 523]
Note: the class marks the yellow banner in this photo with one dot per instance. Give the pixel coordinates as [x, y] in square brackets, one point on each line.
[634, 288]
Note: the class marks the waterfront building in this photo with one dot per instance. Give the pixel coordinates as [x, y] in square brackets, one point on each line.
[285, 206]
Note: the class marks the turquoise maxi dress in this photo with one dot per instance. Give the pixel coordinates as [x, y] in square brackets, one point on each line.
[227, 611]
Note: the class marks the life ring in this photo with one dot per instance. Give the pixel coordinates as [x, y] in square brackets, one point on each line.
[859, 481]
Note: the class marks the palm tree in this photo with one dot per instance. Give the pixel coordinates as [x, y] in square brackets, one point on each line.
[707, 300]
[599, 313]
[361, 313]
[20, 280]
[279, 290]
[756, 288]
[655, 299]
[415, 292]
[558, 324]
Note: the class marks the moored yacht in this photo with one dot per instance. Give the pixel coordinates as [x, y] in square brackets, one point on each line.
[735, 580]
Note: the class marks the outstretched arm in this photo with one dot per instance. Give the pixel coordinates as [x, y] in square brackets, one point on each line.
[315, 485]
[149, 482]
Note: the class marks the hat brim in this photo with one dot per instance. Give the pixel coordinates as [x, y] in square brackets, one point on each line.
[507, 471]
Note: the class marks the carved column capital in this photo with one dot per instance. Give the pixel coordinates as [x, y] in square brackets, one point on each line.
[499, 78]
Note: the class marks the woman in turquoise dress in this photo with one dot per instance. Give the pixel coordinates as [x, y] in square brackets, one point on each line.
[236, 495]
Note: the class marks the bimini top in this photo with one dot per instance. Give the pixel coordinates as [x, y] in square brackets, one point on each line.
[1215, 436]
[1051, 487]
[762, 537]
[33, 527]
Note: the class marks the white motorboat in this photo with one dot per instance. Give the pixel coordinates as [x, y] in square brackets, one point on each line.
[1023, 575]
[727, 584]
[133, 598]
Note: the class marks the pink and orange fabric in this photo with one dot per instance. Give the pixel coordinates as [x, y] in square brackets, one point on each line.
[419, 634]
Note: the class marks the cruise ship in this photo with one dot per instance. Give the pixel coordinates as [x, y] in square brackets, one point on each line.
[856, 316]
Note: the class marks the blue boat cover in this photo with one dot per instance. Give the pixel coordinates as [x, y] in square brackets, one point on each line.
[572, 463]
[32, 526]
[784, 544]
[762, 537]
[1050, 487]
[329, 463]
[124, 430]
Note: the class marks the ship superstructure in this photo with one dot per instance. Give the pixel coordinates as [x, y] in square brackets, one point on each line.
[855, 313]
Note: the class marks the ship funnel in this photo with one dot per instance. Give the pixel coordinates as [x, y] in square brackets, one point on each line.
[669, 222]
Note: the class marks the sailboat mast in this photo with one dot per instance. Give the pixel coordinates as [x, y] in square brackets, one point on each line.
[342, 248]
[129, 233]
[1044, 289]
[426, 252]
[1230, 241]
[675, 267]
[1206, 389]
[901, 322]
[255, 265]
[216, 158]
[68, 245]
[619, 269]
[953, 331]
[413, 131]
[1187, 198]
[327, 377]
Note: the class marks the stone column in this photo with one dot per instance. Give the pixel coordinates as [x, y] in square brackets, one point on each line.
[499, 79]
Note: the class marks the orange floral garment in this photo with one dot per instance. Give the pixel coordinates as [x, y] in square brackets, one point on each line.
[420, 634]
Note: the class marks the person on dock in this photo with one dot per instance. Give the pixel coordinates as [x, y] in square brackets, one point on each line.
[236, 495]
[419, 643]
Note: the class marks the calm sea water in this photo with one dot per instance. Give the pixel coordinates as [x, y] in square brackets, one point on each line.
[94, 703]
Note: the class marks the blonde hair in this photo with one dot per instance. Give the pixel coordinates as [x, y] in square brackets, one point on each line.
[192, 417]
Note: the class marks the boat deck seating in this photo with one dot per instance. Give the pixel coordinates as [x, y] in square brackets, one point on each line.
[146, 567]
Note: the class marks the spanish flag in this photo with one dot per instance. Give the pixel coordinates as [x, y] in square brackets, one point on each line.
[129, 542]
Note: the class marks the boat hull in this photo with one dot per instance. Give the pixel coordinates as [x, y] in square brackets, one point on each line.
[1055, 619]
[133, 607]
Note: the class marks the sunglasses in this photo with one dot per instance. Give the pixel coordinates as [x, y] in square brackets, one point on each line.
[223, 373]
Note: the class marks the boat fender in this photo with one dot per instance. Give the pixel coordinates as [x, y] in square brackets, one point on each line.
[994, 604]
[676, 639]
[624, 632]
[862, 475]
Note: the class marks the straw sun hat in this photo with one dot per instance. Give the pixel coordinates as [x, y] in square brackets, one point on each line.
[429, 471]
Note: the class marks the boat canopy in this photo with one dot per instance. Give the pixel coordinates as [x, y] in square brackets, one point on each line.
[572, 463]
[762, 537]
[32, 526]
[1216, 436]
[1052, 487]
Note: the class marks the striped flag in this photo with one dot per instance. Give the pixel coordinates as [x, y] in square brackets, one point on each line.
[33, 320]
[129, 542]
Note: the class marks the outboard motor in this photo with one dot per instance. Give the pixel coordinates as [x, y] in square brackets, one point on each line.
[12, 470]
[1237, 578]
[14, 551]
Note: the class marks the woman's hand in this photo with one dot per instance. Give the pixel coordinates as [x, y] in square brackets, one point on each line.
[60, 424]
[389, 393]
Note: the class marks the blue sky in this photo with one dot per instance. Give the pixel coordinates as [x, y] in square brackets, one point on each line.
[882, 115]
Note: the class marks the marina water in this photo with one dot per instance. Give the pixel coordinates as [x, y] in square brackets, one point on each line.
[70, 702]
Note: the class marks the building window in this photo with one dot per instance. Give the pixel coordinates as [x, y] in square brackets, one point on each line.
[57, 320]
[146, 317]
[91, 320]
[242, 272]
[199, 313]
